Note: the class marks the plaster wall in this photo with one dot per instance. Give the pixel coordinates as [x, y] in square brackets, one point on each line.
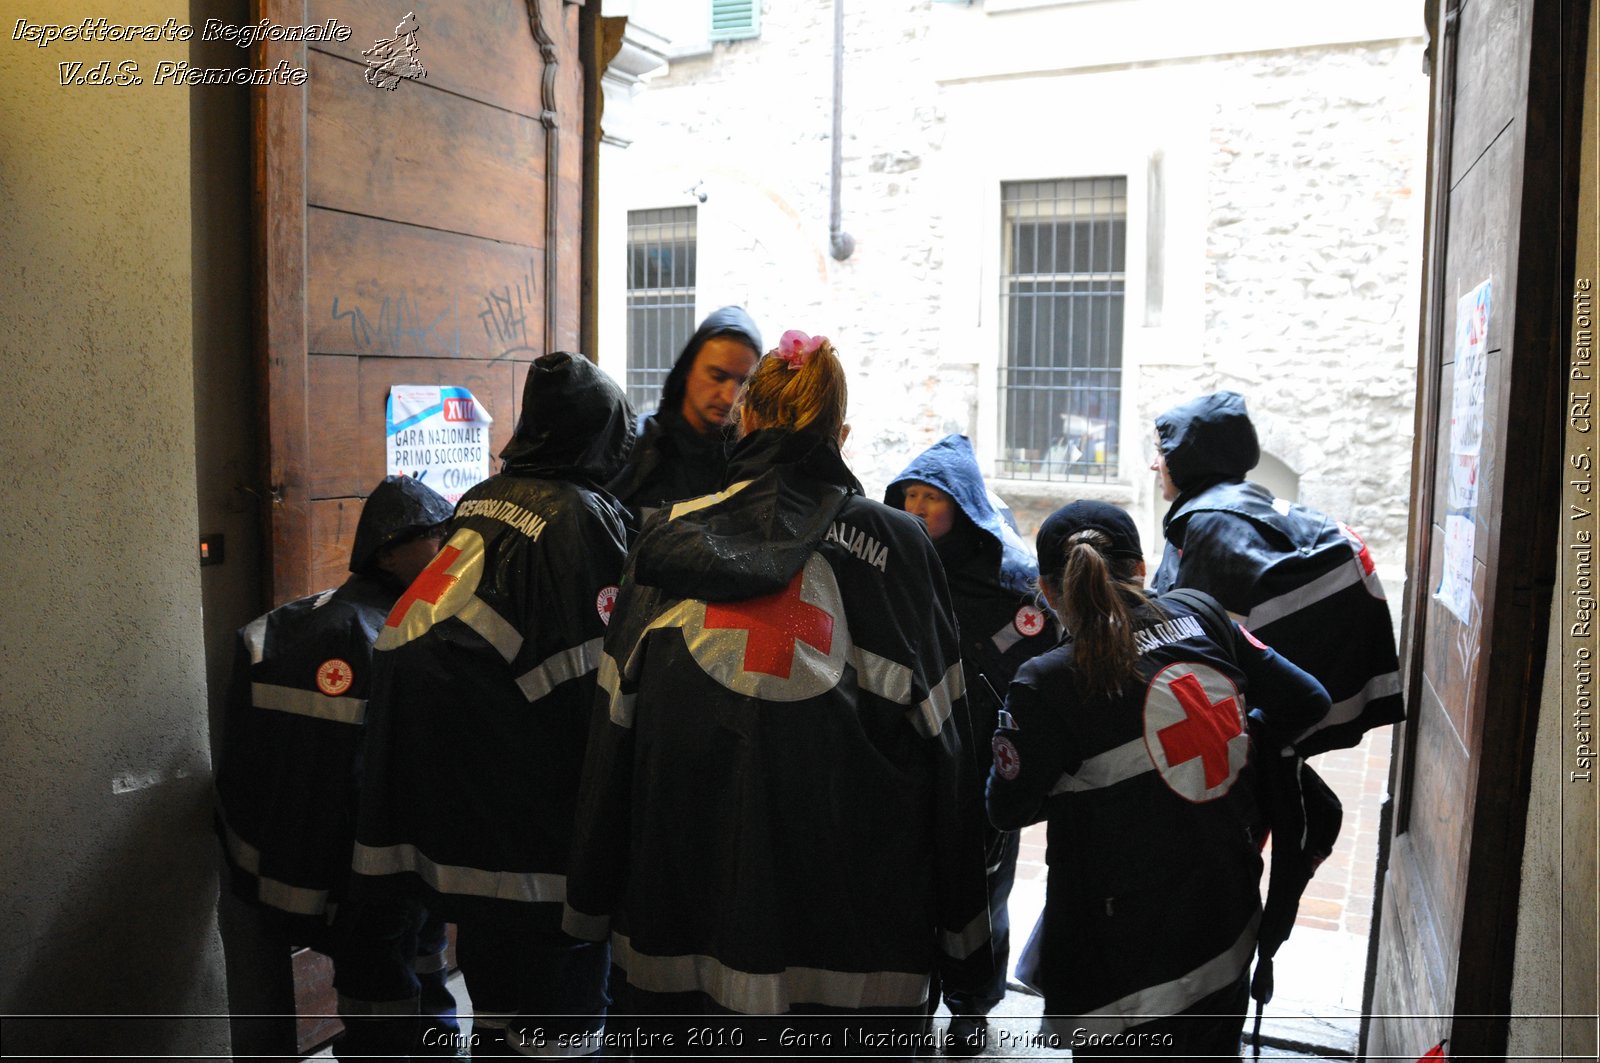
[1273, 230]
[105, 851]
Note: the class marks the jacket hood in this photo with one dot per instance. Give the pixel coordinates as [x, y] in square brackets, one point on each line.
[753, 537]
[726, 321]
[576, 423]
[398, 507]
[1208, 439]
[952, 467]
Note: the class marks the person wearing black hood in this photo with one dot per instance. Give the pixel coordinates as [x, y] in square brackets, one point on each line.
[683, 447]
[1303, 582]
[480, 707]
[289, 775]
[992, 581]
[777, 816]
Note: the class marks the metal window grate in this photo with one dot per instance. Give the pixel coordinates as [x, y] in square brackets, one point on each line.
[661, 269]
[1061, 301]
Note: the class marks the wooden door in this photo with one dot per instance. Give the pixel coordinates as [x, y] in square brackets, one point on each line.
[1500, 208]
[426, 234]
[431, 233]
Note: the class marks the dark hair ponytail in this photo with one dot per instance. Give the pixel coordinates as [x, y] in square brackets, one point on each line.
[1097, 595]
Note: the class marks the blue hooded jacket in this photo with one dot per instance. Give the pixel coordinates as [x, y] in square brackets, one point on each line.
[952, 467]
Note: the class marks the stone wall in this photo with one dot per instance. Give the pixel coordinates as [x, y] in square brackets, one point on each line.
[1313, 252]
[1291, 247]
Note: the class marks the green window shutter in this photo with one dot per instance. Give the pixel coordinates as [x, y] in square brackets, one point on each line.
[735, 20]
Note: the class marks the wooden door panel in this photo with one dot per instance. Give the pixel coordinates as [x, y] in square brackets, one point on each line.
[333, 530]
[1483, 231]
[1410, 964]
[409, 237]
[422, 156]
[567, 93]
[376, 287]
[347, 405]
[1441, 799]
[333, 390]
[1499, 185]
[1491, 75]
[482, 50]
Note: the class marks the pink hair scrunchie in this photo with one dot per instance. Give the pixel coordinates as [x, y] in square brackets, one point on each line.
[796, 348]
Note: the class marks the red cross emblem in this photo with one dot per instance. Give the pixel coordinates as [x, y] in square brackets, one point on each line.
[334, 677]
[1194, 730]
[787, 646]
[1029, 621]
[1007, 762]
[604, 603]
[441, 590]
[772, 624]
[429, 586]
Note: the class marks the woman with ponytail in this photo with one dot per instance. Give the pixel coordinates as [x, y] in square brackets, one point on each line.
[776, 817]
[1131, 739]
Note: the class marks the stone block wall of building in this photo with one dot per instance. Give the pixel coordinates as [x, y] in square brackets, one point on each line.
[1287, 261]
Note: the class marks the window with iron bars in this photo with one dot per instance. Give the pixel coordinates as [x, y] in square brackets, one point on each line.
[1061, 295]
[661, 270]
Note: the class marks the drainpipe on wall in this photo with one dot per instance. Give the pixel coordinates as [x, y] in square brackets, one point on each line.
[840, 243]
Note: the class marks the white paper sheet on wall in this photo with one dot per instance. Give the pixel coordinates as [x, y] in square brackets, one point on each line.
[439, 435]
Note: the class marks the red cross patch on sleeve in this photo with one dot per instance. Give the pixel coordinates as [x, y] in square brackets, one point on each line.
[334, 676]
[1007, 761]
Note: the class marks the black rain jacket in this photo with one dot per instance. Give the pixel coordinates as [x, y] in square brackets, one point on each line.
[1301, 581]
[1154, 819]
[486, 666]
[289, 769]
[775, 813]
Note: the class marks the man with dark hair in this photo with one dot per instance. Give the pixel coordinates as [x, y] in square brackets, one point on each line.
[683, 447]
[290, 773]
[1301, 581]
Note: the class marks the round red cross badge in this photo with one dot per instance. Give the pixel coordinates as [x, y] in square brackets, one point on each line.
[1029, 621]
[604, 602]
[334, 677]
[1194, 730]
[1007, 762]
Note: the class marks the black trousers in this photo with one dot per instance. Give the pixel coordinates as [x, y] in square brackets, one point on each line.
[535, 991]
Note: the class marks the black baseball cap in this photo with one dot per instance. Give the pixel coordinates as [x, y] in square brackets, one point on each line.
[1111, 521]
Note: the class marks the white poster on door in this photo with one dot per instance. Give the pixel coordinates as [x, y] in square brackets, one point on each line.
[439, 435]
[1466, 444]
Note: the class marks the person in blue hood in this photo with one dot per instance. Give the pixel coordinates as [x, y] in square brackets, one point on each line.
[992, 581]
[1301, 581]
[683, 447]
